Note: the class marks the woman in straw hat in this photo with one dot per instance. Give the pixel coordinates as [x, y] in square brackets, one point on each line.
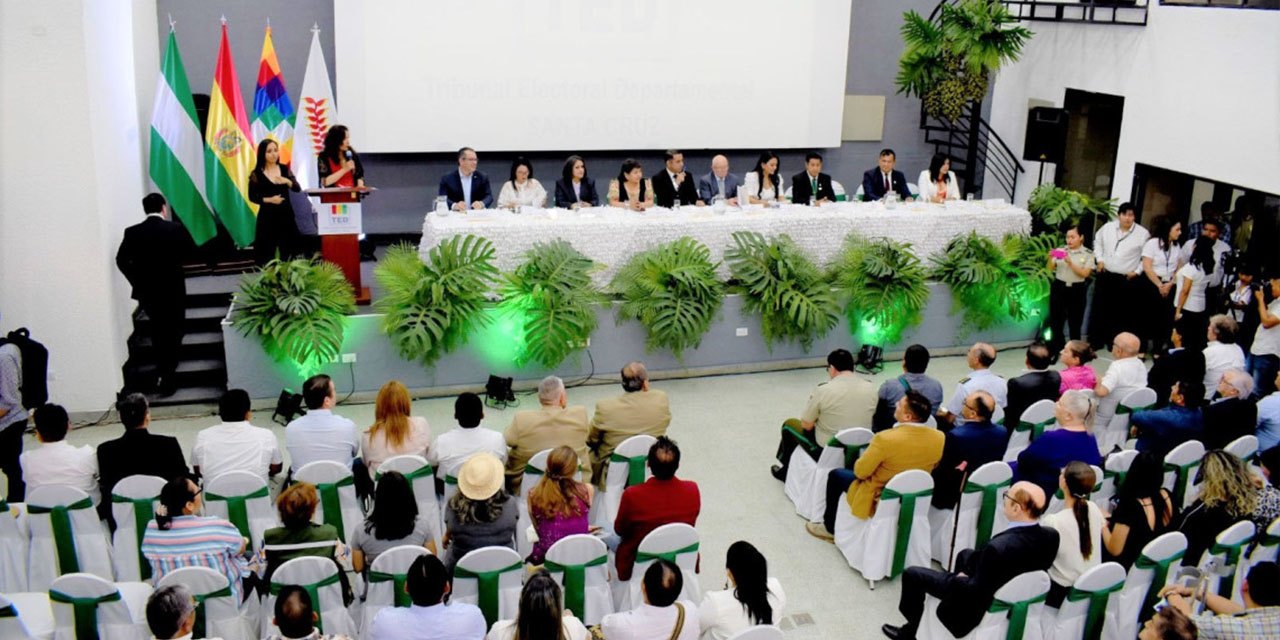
[480, 514]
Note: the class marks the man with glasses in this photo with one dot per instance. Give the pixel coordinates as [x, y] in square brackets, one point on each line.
[973, 442]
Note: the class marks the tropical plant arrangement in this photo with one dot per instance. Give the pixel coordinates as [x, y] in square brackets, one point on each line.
[296, 308]
[1027, 257]
[1053, 208]
[881, 284]
[431, 307]
[779, 282]
[673, 291]
[552, 297]
[983, 282]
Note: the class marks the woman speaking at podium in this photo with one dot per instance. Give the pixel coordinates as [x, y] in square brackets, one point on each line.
[339, 164]
[269, 187]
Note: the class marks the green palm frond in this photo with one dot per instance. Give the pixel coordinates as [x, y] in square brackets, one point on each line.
[672, 290]
[881, 284]
[553, 296]
[983, 33]
[922, 64]
[779, 282]
[296, 308]
[1057, 208]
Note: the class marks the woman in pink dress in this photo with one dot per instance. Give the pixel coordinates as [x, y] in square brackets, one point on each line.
[559, 504]
[1078, 374]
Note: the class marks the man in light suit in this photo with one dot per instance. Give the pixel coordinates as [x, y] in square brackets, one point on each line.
[674, 184]
[719, 182]
[883, 179]
[548, 427]
[638, 411]
[466, 188]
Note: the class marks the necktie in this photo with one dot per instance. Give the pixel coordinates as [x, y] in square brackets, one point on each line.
[814, 188]
[720, 186]
[886, 183]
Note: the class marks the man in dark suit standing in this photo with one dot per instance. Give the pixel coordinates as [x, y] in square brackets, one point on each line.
[812, 183]
[674, 183]
[883, 179]
[966, 595]
[1036, 384]
[151, 258]
[138, 451]
[466, 188]
[719, 182]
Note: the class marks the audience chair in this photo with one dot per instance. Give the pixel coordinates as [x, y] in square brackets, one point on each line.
[1116, 467]
[1035, 420]
[1180, 472]
[980, 514]
[997, 416]
[807, 480]
[339, 505]
[759, 632]
[490, 578]
[1015, 613]
[26, 615]
[580, 563]
[422, 478]
[838, 188]
[1116, 430]
[1156, 567]
[319, 576]
[1229, 548]
[533, 472]
[13, 550]
[896, 536]
[1245, 447]
[87, 607]
[1090, 606]
[628, 466]
[133, 504]
[244, 499]
[387, 579]
[676, 542]
[219, 613]
[66, 536]
[1057, 502]
[1267, 545]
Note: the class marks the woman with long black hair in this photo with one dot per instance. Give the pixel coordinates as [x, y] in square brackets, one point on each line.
[763, 183]
[1189, 314]
[541, 615]
[269, 187]
[750, 596]
[1161, 260]
[339, 164]
[181, 537]
[394, 521]
[1079, 527]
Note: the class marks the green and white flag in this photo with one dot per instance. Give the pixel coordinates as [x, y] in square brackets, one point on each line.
[178, 150]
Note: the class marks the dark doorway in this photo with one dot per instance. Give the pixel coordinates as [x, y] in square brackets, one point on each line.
[1093, 136]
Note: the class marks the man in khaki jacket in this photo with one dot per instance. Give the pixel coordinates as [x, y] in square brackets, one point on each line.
[548, 427]
[638, 411]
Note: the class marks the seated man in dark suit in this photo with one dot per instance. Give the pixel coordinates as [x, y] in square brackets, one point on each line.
[1174, 365]
[883, 179]
[1038, 383]
[138, 451]
[812, 185]
[965, 595]
[1160, 430]
[674, 183]
[1233, 414]
[973, 442]
[466, 188]
[719, 182]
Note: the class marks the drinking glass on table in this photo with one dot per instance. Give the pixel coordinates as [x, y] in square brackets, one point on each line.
[442, 205]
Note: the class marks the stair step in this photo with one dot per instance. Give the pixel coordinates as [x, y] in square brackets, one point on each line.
[188, 340]
[204, 365]
[188, 395]
[216, 313]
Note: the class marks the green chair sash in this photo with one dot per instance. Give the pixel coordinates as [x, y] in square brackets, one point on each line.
[313, 590]
[420, 472]
[1097, 608]
[1033, 429]
[1118, 477]
[453, 480]
[1232, 553]
[237, 508]
[143, 513]
[906, 515]
[635, 467]
[1123, 409]
[1159, 576]
[669, 556]
[851, 451]
[397, 580]
[63, 538]
[1181, 473]
[85, 611]
[487, 588]
[575, 583]
[1265, 539]
[200, 631]
[987, 511]
[801, 439]
[1017, 614]
[533, 471]
[331, 503]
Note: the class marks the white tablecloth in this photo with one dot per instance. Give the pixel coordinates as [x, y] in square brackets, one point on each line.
[610, 235]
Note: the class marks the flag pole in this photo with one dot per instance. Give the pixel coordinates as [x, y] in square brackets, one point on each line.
[172, 24]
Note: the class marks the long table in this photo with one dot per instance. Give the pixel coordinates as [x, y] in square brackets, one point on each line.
[611, 235]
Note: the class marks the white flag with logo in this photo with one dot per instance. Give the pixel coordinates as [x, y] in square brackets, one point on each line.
[316, 113]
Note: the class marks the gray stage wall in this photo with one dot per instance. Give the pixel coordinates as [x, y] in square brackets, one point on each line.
[407, 182]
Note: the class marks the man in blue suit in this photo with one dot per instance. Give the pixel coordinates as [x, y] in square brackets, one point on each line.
[884, 178]
[719, 182]
[973, 442]
[1160, 430]
[466, 188]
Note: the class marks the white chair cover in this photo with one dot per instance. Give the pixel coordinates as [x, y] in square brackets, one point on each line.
[13, 551]
[1020, 600]
[338, 502]
[133, 504]
[1116, 467]
[1035, 420]
[1243, 447]
[120, 610]
[1156, 567]
[1229, 548]
[871, 546]
[632, 451]
[1180, 466]
[1115, 415]
[760, 631]
[64, 516]
[981, 494]
[533, 472]
[807, 480]
[226, 494]
[224, 615]
[1098, 589]
[422, 478]
[593, 599]
[503, 601]
[677, 542]
[1267, 547]
[386, 580]
[319, 576]
[1056, 503]
[26, 615]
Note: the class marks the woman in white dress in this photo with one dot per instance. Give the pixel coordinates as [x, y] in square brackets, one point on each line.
[1161, 260]
[522, 189]
[764, 183]
[540, 614]
[938, 182]
[1189, 314]
[750, 598]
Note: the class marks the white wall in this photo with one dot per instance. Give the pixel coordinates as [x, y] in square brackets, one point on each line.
[1201, 89]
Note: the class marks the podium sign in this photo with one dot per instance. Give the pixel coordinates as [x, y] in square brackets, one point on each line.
[338, 218]
[339, 223]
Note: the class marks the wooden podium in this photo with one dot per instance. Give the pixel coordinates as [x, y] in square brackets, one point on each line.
[340, 223]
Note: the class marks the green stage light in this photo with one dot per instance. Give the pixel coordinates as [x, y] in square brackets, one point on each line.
[501, 341]
[871, 331]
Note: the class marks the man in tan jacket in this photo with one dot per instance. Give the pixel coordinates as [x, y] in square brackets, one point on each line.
[548, 427]
[638, 411]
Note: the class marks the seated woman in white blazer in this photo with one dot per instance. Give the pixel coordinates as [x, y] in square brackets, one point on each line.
[938, 183]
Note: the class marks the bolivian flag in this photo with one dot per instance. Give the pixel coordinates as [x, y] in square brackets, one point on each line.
[233, 151]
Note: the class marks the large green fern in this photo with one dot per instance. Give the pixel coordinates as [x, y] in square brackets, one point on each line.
[1027, 257]
[296, 308]
[981, 280]
[672, 290]
[553, 297]
[779, 282]
[882, 286]
[1054, 208]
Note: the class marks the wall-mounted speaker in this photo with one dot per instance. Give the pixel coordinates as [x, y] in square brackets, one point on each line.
[1046, 139]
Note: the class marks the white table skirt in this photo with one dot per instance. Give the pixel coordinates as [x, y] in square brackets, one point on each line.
[611, 235]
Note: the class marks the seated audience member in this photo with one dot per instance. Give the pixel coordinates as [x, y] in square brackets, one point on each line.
[138, 451]
[661, 616]
[1176, 363]
[574, 189]
[235, 445]
[980, 358]
[1169, 623]
[909, 445]
[466, 188]
[1039, 382]
[1268, 508]
[638, 411]
[180, 537]
[394, 431]
[522, 190]
[55, 461]
[1222, 353]
[1227, 496]
[430, 618]
[558, 504]
[719, 182]
[812, 186]
[764, 183]
[1233, 414]
[297, 507]
[452, 448]
[914, 363]
[845, 400]
[883, 179]
[1079, 527]
[541, 614]
[481, 513]
[171, 612]
[1268, 428]
[1258, 618]
[1040, 462]
[1076, 356]
[552, 425]
[1265, 351]
[750, 596]
[630, 190]
[973, 442]
[1123, 375]
[1144, 511]
[662, 499]
[296, 616]
[674, 185]
[1160, 430]
[394, 521]
[938, 182]
[321, 434]
[13, 420]
[965, 595]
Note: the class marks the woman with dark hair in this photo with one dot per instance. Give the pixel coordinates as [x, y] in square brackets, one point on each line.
[394, 521]
[750, 596]
[938, 182]
[1079, 527]
[631, 189]
[1241, 305]
[574, 189]
[481, 513]
[1143, 511]
[764, 183]
[1076, 356]
[558, 504]
[339, 164]
[180, 537]
[1161, 260]
[522, 190]
[1072, 266]
[541, 615]
[269, 187]
[1189, 314]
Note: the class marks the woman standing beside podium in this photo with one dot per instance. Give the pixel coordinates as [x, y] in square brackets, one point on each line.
[269, 187]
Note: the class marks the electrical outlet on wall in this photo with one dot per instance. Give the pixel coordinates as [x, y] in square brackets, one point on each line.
[348, 358]
[741, 332]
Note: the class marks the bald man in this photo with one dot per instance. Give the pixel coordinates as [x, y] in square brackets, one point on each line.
[980, 358]
[637, 411]
[1125, 374]
[719, 183]
[965, 595]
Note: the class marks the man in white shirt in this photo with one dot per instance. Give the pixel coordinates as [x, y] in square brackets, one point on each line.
[429, 618]
[1125, 374]
[661, 616]
[56, 461]
[236, 445]
[1213, 290]
[1222, 354]
[980, 358]
[1118, 250]
[452, 448]
[321, 434]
